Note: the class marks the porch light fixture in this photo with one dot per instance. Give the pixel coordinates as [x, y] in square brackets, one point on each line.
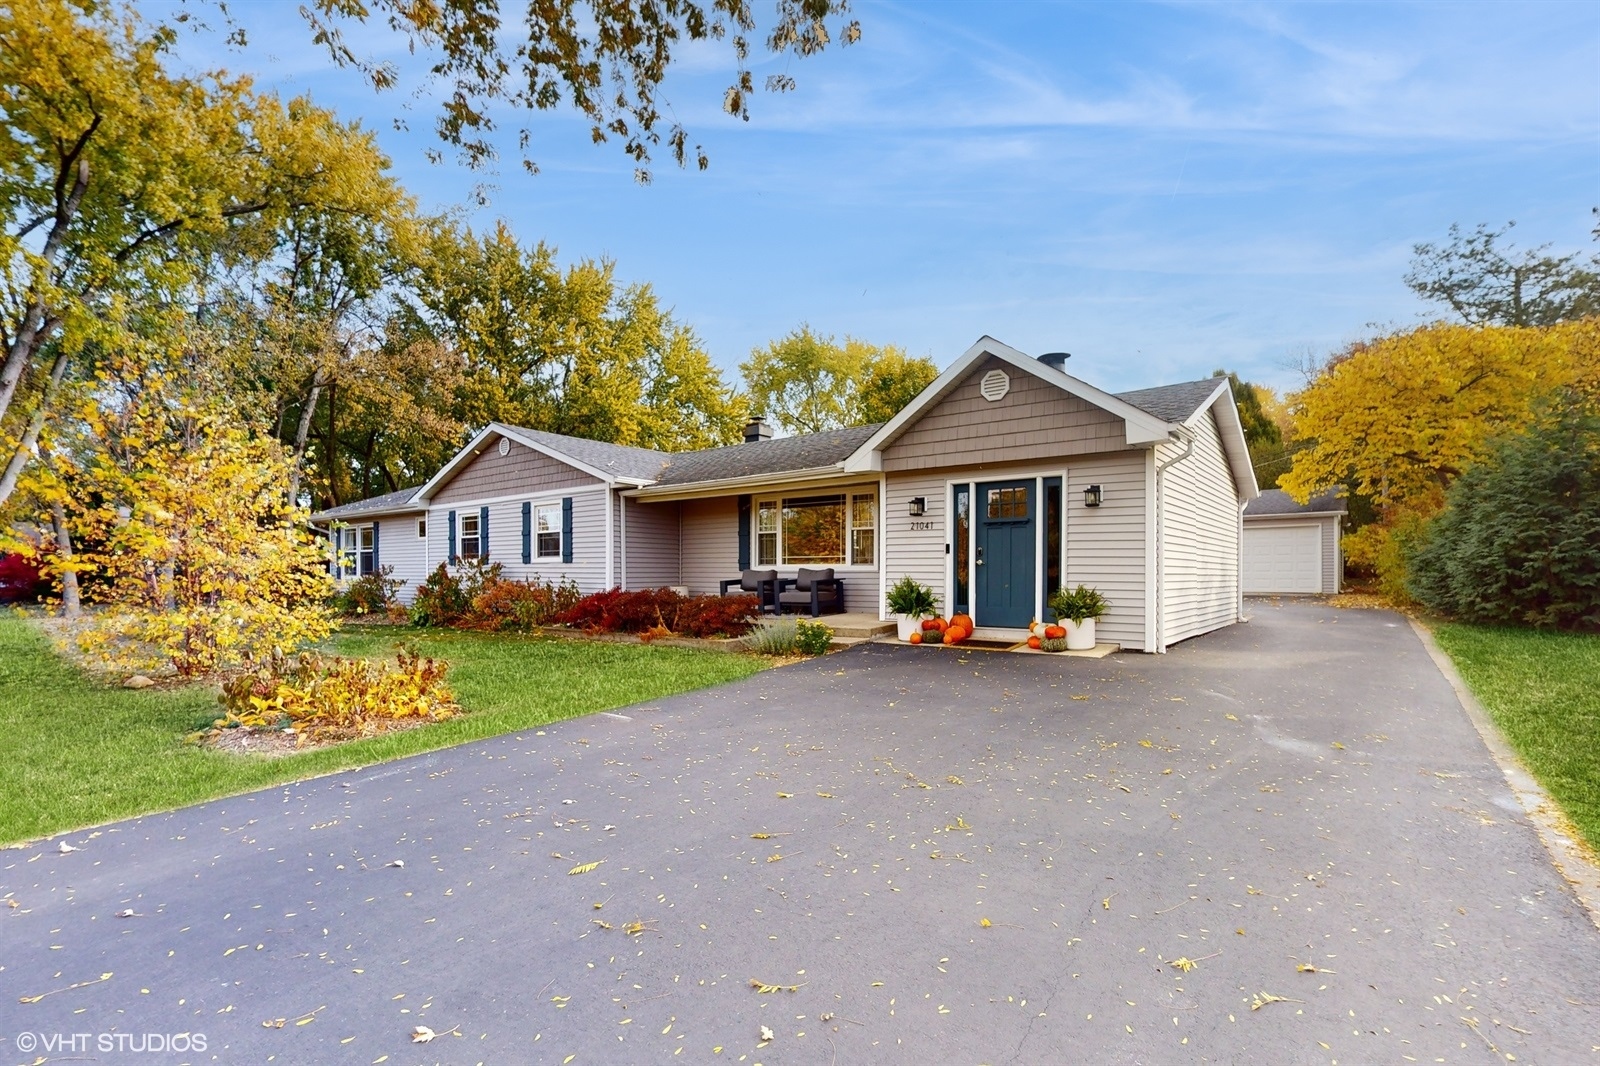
[919, 506]
[1091, 496]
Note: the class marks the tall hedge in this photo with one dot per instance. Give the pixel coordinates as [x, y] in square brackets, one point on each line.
[1519, 539]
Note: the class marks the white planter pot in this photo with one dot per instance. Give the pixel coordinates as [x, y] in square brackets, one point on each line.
[904, 627]
[1080, 635]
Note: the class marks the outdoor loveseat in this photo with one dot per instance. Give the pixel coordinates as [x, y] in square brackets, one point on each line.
[812, 590]
[762, 584]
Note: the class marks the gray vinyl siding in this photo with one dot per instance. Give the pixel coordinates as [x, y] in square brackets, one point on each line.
[1199, 531]
[588, 566]
[1033, 419]
[653, 550]
[1332, 557]
[400, 547]
[1104, 546]
[522, 471]
[710, 541]
[711, 547]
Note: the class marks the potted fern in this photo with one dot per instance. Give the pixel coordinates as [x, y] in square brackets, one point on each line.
[911, 602]
[1077, 611]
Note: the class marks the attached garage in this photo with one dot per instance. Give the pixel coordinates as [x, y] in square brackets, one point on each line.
[1292, 548]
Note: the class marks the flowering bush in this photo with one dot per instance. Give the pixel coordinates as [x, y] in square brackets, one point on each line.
[813, 638]
[519, 605]
[641, 610]
[329, 698]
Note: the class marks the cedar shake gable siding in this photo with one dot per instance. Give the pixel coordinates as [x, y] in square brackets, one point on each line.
[1034, 418]
[520, 472]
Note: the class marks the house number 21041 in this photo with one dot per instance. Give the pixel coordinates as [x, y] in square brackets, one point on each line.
[922, 525]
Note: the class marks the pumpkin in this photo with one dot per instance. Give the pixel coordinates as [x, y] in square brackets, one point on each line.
[1034, 642]
[1037, 628]
[933, 625]
[1054, 644]
[952, 636]
[962, 620]
[1055, 633]
[916, 638]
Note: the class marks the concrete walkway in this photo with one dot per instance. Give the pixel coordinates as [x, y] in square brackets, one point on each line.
[1283, 842]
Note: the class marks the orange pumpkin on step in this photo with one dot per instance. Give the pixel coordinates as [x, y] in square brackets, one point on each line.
[962, 620]
[933, 625]
[952, 635]
[916, 638]
[1034, 642]
[1054, 632]
[963, 631]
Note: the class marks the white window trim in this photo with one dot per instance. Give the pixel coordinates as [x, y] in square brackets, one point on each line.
[477, 536]
[538, 550]
[849, 493]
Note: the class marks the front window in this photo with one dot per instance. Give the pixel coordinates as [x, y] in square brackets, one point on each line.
[368, 545]
[471, 537]
[767, 533]
[830, 530]
[422, 528]
[549, 532]
[1052, 540]
[863, 529]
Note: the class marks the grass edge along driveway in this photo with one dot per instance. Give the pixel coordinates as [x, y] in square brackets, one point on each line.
[78, 752]
[1542, 689]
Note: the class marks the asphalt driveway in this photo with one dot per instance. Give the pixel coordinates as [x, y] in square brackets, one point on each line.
[934, 856]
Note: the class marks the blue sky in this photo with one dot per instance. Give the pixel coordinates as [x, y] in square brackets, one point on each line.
[1158, 189]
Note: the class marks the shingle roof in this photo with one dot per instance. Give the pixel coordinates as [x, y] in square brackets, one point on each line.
[619, 460]
[1172, 403]
[776, 456]
[389, 503]
[1278, 502]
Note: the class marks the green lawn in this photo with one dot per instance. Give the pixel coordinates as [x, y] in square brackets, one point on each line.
[1543, 691]
[77, 753]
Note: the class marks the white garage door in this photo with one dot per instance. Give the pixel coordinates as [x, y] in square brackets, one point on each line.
[1282, 559]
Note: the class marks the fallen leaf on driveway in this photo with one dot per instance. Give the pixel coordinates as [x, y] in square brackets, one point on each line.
[397, 862]
[69, 988]
[767, 1035]
[64, 847]
[587, 867]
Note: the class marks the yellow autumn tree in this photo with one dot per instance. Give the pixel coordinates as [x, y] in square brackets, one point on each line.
[196, 560]
[1399, 418]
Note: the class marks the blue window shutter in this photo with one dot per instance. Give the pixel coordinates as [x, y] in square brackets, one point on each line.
[483, 532]
[452, 553]
[566, 529]
[744, 532]
[375, 563]
[527, 533]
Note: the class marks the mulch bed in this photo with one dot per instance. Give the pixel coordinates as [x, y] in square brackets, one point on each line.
[276, 743]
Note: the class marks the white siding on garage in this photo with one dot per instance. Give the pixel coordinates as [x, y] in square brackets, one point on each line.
[653, 554]
[400, 547]
[1290, 554]
[1199, 537]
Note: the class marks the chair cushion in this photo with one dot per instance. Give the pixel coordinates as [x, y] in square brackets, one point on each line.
[750, 580]
[804, 578]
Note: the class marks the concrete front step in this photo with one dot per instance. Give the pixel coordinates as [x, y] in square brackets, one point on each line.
[852, 625]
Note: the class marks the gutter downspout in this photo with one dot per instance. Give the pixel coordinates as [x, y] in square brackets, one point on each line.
[1187, 440]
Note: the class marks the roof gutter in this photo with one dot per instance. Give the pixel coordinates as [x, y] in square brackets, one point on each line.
[725, 486]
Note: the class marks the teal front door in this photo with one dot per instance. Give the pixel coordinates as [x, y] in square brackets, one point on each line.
[1006, 554]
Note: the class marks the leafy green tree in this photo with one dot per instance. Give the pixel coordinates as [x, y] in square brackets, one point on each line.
[1519, 538]
[566, 351]
[1487, 281]
[811, 383]
[607, 59]
[121, 183]
[1262, 434]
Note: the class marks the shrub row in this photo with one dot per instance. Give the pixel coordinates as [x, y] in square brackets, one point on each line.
[661, 610]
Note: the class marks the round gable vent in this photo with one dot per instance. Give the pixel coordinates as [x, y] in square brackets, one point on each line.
[994, 386]
[505, 446]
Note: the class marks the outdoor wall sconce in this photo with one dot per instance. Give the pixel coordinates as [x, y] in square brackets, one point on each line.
[1092, 496]
[919, 506]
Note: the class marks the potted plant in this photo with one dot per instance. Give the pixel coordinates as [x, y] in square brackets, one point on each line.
[1077, 610]
[911, 602]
